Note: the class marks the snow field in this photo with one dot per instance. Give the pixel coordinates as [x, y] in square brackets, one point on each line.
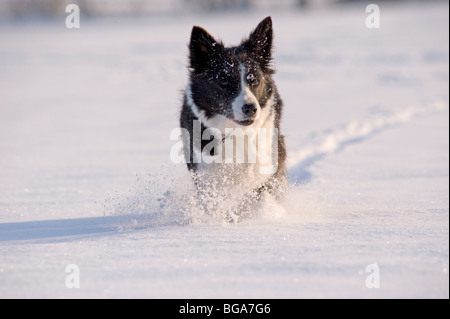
[85, 118]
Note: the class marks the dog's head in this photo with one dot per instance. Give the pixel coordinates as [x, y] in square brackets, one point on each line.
[232, 81]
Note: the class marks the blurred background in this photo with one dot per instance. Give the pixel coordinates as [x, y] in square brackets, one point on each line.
[24, 8]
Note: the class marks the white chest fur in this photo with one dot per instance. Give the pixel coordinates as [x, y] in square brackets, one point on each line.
[244, 157]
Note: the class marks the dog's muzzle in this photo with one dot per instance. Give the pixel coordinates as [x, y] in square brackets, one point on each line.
[249, 111]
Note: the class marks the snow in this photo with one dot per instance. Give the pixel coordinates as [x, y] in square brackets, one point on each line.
[86, 176]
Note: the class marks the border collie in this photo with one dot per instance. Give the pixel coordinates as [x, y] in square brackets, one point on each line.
[231, 116]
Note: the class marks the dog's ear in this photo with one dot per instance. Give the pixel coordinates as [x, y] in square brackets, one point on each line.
[259, 44]
[202, 48]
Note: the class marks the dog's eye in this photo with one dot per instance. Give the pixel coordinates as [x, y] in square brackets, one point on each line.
[251, 79]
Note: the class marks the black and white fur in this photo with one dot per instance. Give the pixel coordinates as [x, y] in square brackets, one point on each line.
[232, 87]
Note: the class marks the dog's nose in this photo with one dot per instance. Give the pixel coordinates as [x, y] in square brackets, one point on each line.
[249, 110]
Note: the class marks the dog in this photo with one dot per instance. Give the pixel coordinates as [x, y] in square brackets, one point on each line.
[231, 115]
